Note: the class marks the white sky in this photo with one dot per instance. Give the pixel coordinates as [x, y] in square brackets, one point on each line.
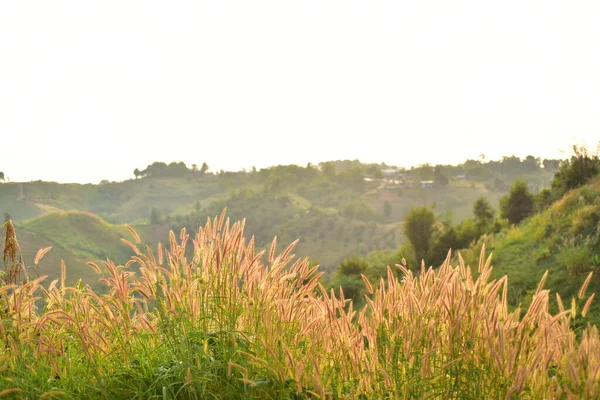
[92, 90]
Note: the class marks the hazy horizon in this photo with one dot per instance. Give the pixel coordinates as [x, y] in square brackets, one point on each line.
[130, 175]
[91, 91]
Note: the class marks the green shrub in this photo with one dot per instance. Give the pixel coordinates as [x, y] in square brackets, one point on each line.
[549, 230]
[565, 204]
[575, 172]
[542, 200]
[577, 259]
[467, 231]
[585, 221]
[590, 195]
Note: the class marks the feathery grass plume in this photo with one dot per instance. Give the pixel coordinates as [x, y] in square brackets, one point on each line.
[587, 305]
[12, 257]
[584, 286]
[131, 245]
[6, 392]
[134, 233]
[40, 254]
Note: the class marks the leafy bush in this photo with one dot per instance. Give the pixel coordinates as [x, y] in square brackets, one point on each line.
[585, 221]
[447, 239]
[543, 200]
[590, 195]
[467, 231]
[577, 259]
[575, 172]
[548, 230]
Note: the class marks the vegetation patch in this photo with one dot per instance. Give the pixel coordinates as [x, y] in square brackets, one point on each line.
[225, 324]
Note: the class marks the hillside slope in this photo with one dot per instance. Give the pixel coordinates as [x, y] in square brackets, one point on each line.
[118, 202]
[76, 237]
[326, 234]
[564, 239]
[455, 198]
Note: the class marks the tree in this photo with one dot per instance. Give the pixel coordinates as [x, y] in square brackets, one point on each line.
[543, 200]
[353, 266]
[551, 165]
[419, 226]
[137, 173]
[348, 277]
[518, 204]
[530, 164]
[156, 169]
[448, 239]
[204, 168]
[328, 169]
[425, 172]
[474, 170]
[176, 169]
[1, 176]
[575, 172]
[483, 212]
[511, 166]
[439, 176]
[352, 178]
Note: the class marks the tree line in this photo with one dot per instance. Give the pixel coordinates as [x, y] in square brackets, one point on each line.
[175, 169]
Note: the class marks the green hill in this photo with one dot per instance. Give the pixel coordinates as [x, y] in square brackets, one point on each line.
[327, 235]
[456, 198]
[564, 239]
[76, 237]
[118, 202]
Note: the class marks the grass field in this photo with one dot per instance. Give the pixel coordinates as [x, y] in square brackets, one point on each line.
[224, 324]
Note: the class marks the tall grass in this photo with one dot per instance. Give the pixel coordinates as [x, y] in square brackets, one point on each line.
[236, 323]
